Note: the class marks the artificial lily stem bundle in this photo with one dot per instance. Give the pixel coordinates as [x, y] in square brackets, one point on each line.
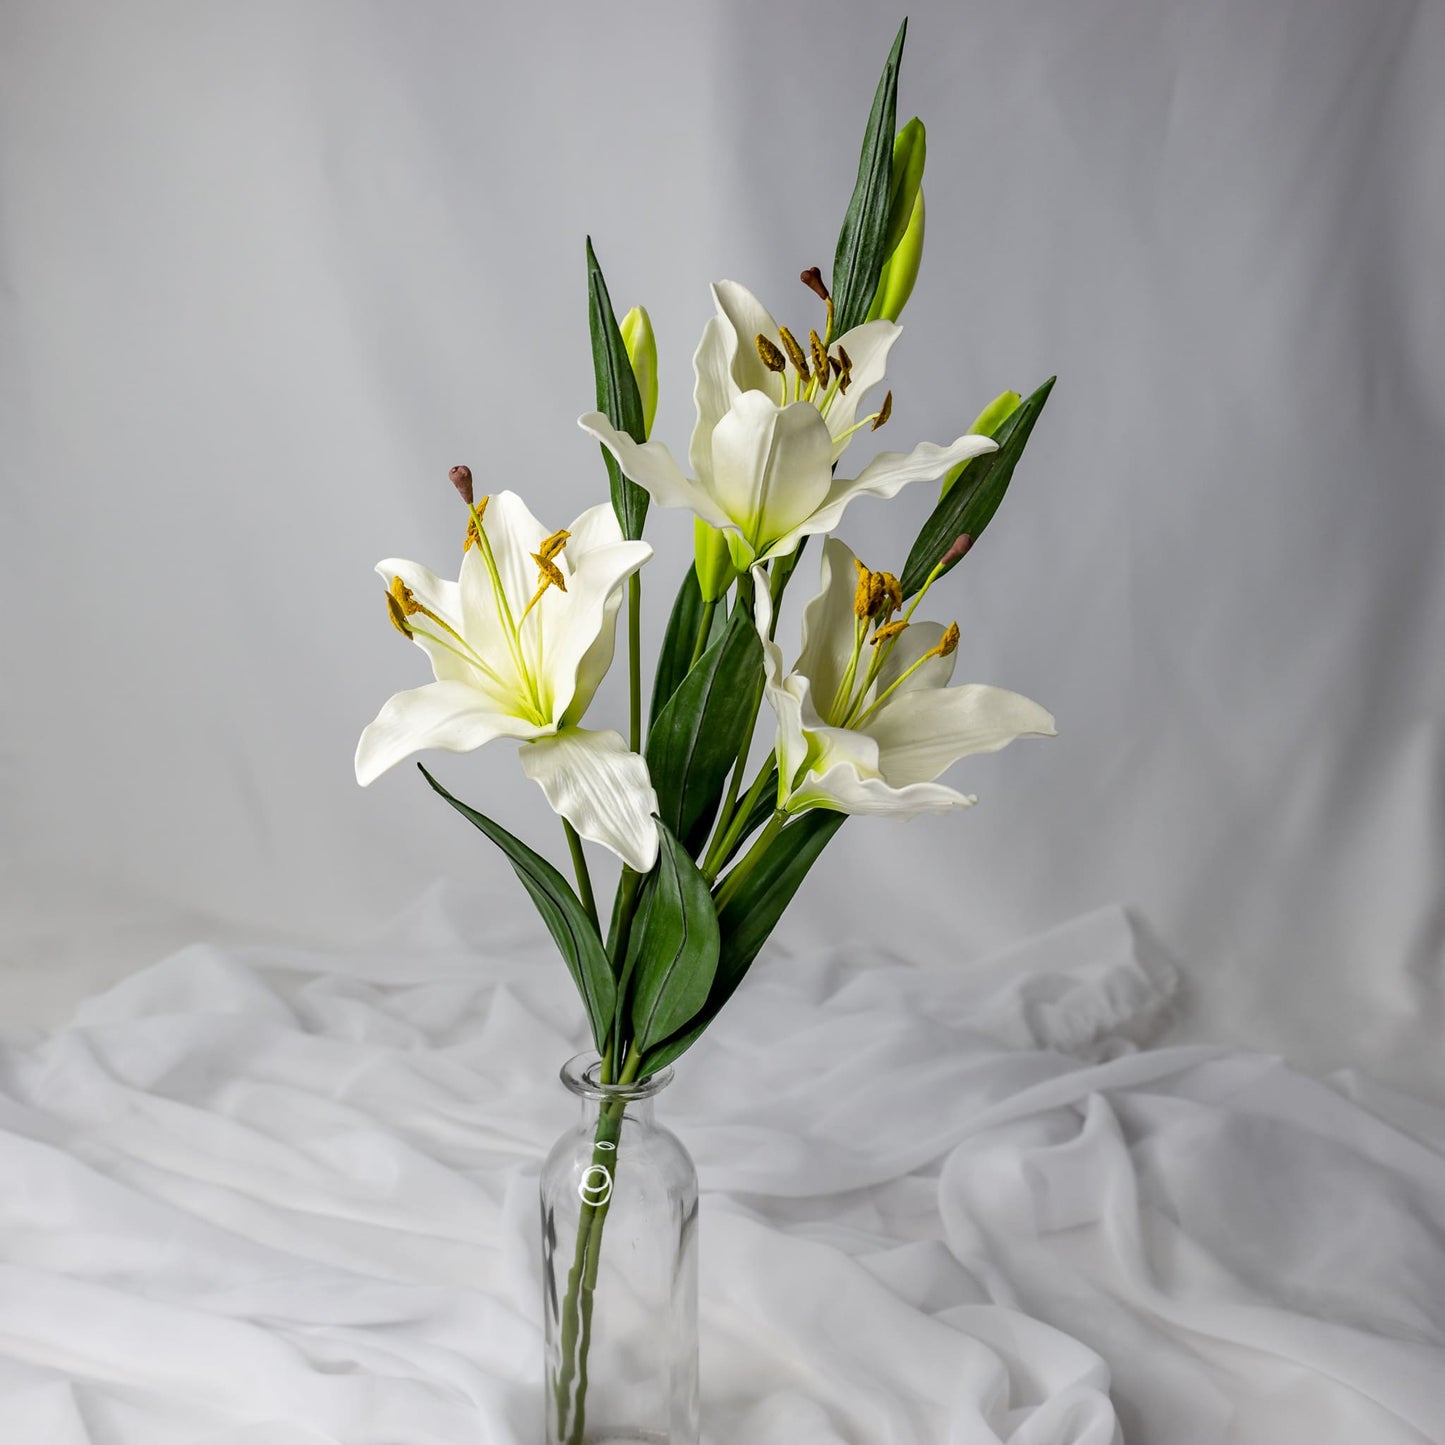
[865, 720]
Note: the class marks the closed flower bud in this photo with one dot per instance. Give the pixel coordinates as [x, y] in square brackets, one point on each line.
[900, 270]
[713, 559]
[910, 149]
[986, 424]
[641, 346]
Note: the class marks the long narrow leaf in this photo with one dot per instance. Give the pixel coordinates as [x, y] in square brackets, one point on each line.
[617, 395]
[678, 642]
[969, 507]
[864, 234]
[672, 956]
[564, 916]
[694, 742]
[749, 917]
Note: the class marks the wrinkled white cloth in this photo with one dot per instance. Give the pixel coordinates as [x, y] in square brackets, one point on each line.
[260, 1197]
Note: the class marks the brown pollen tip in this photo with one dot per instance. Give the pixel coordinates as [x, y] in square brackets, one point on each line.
[961, 544]
[812, 278]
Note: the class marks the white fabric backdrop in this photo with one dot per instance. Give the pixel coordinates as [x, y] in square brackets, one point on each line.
[271, 1197]
[267, 270]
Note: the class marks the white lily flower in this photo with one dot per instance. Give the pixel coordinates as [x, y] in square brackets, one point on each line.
[518, 646]
[773, 419]
[865, 725]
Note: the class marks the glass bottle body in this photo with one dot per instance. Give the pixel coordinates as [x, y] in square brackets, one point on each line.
[619, 1277]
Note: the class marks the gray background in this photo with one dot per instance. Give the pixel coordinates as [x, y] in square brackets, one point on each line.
[268, 270]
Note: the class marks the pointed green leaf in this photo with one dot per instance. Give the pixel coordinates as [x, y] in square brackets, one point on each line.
[969, 507]
[618, 398]
[564, 916]
[860, 254]
[672, 954]
[679, 641]
[749, 917]
[694, 742]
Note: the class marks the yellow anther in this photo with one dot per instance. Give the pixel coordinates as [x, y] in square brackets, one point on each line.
[892, 593]
[947, 643]
[884, 412]
[820, 355]
[474, 522]
[552, 546]
[397, 613]
[549, 574]
[772, 358]
[888, 632]
[403, 597]
[863, 594]
[795, 352]
[844, 364]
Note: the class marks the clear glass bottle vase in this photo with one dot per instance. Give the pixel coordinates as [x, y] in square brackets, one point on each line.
[619, 1270]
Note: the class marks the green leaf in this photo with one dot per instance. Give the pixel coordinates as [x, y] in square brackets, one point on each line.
[861, 241]
[564, 916]
[969, 507]
[672, 954]
[617, 395]
[749, 917]
[678, 642]
[695, 740]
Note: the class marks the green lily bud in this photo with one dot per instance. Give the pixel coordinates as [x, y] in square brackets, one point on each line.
[713, 559]
[900, 270]
[989, 420]
[910, 150]
[641, 347]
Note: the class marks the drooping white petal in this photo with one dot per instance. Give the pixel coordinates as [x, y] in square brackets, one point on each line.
[601, 787]
[843, 789]
[829, 624]
[449, 715]
[714, 391]
[771, 465]
[748, 317]
[654, 469]
[886, 475]
[867, 346]
[921, 733]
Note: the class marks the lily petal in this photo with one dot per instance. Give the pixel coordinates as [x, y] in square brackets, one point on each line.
[886, 475]
[714, 391]
[654, 469]
[772, 466]
[844, 790]
[921, 733]
[449, 715]
[867, 346]
[438, 595]
[828, 623]
[747, 316]
[601, 787]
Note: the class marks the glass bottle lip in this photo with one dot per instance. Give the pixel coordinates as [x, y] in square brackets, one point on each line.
[580, 1072]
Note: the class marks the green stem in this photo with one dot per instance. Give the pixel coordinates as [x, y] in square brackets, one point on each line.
[584, 878]
[582, 1279]
[634, 660]
[726, 839]
[750, 860]
[704, 629]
